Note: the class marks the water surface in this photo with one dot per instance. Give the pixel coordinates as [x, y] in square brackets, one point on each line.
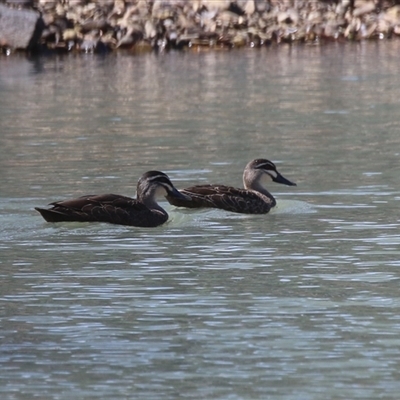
[302, 303]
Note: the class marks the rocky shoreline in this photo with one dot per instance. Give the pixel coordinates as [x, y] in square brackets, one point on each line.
[147, 25]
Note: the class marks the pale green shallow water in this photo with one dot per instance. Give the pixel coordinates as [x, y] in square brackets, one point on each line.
[302, 303]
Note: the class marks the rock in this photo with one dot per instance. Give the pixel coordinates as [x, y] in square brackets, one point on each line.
[217, 5]
[364, 8]
[19, 29]
[262, 6]
[392, 15]
[250, 8]
[227, 18]
[150, 31]
[94, 25]
[396, 30]
[20, 3]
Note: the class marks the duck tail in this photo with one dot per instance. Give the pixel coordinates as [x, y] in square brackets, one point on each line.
[51, 215]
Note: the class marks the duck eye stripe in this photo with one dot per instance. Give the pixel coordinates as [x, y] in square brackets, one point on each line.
[266, 165]
[160, 178]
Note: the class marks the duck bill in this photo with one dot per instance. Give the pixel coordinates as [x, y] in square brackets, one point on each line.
[178, 195]
[281, 179]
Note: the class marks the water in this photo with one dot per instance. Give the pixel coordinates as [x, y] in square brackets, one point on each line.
[302, 303]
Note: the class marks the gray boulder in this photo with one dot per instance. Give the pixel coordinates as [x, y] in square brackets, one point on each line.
[19, 28]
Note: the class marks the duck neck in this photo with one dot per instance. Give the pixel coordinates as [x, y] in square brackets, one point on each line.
[153, 205]
[257, 186]
[148, 198]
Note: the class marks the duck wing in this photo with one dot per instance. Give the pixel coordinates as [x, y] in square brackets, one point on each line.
[223, 197]
[111, 208]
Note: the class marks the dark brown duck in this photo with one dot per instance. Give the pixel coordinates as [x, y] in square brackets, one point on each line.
[253, 199]
[143, 211]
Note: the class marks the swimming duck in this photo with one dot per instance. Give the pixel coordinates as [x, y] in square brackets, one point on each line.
[253, 199]
[116, 209]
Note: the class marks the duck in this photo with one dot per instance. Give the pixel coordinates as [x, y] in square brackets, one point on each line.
[253, 199]
[143, 211]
